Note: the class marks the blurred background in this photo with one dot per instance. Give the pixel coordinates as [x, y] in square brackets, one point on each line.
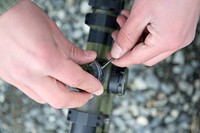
[163, 98]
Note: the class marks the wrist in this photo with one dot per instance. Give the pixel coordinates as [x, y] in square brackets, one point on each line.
[7, 4]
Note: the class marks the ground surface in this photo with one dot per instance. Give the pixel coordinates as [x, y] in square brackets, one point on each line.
[163, 98]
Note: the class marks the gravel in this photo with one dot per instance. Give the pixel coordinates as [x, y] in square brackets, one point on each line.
[163, 98]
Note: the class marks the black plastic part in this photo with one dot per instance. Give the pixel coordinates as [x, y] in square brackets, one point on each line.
[97, 71]
[118, 81]
[101, 20]
[100, 37]
[105, 19]
[85, 119]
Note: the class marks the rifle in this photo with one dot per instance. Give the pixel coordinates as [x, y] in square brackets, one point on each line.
[94, 117]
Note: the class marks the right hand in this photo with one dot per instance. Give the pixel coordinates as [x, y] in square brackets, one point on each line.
[37, 58]
[153, 30]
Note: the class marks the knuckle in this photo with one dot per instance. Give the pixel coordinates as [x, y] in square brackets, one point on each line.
[126, 37]
[74, 51]
[94, 86]
[19, 73]
[44, 60]
[78, 82]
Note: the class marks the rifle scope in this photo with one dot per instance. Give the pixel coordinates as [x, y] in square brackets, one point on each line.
[94, 116]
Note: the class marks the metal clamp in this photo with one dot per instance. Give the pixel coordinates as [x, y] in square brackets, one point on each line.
[86, 119]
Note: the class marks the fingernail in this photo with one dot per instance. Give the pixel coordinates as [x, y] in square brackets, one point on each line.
[90, 53]
[91, 97]
[116, 52]
[99, 92]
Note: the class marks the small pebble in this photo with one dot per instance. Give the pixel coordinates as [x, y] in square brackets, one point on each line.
[77, 34]
[152, 81]
[179, 58]
[141, 120]
[140, 84]
[84, 7]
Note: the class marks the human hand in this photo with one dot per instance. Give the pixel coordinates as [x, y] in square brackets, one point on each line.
[153, 30]
[40, 61]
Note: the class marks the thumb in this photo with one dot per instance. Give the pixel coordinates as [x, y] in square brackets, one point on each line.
[130, 33]
[81, 56]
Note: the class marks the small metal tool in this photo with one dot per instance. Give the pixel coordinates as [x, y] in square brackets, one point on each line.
[107, 63]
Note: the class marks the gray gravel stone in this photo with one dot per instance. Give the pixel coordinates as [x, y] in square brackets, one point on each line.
[179, 58]
[65, 111]
[198, 41]
[196, 96]
[2, 98]
[186, 87]
[134, 110]
[61, 14]
[119, 111]
[141, 120]
[197, 83]
[174, 113]
[188, 70]
[155, 122]
[84, 7]
[77, 34]
[140, 84]
[152, 81]
[120, 124]
[167, 88]
[177, 69]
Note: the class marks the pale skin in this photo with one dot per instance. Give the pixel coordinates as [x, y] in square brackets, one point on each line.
[153, 30]
[37, 58]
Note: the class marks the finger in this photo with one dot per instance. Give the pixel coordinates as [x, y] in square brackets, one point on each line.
[108, 56]
[125, 12]
[73, 75]
[71, 51]
[121, 19]
[78, 55]
[57, 95]
[114, 34]
[83, 57]
[30, 93]
[130, 33]
[158, 58]
[141, 53]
